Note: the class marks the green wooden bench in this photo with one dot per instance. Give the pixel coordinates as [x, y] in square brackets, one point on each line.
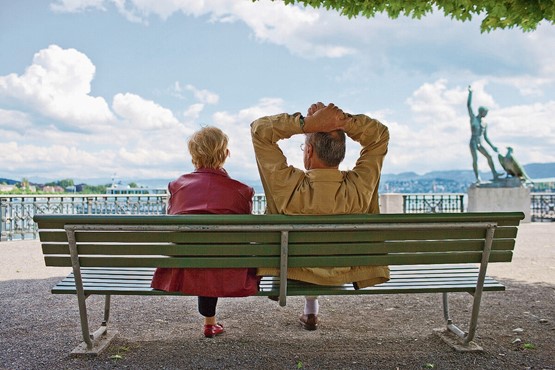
[427, 253]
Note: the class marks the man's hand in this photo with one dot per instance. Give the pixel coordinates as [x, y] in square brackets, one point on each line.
[315, 107]
[325, 118]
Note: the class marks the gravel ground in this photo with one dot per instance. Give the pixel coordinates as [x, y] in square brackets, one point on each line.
[38, 330]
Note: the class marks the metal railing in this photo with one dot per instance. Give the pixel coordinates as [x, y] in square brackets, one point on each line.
[433, 203]
[542, 207]
[17, 211]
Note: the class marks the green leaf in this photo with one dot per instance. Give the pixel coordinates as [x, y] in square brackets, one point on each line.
[496, 14]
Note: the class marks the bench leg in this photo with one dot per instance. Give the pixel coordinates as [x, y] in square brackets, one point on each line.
[103, 330]
[95, 343]
[450, 326]
[104, 326]
[460, 340]
[84, 317]
[468, 337]
[106, 310]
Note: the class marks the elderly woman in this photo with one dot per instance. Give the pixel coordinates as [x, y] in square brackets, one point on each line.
[208, 189]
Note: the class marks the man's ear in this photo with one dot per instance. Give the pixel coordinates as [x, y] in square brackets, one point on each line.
[309, 149]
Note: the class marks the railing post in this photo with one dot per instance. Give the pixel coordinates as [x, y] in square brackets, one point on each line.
[89, 205]
[3, 208]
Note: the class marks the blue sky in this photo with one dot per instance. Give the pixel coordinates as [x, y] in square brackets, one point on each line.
[93, 88]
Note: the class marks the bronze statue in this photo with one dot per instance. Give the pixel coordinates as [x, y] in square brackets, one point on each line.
[511, 165]
[479, 130]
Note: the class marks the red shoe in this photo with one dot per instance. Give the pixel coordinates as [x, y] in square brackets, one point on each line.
[210, 331]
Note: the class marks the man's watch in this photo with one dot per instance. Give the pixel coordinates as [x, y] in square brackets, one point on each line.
[301, 122]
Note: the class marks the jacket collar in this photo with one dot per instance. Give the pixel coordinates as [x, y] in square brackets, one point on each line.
[322, 174]
[213, 171]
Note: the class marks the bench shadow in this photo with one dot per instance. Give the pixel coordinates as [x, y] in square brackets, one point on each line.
[38, 330]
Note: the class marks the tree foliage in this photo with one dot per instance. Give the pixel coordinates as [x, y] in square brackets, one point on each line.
[63, 183]
[498, 14]
[94, 189]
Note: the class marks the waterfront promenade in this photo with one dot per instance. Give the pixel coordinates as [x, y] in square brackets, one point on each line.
[38, 330]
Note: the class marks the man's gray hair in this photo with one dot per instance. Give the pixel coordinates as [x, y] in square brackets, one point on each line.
[328, 146]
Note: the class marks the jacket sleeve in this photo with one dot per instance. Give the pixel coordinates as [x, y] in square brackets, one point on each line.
[276, 175]
[373, 136]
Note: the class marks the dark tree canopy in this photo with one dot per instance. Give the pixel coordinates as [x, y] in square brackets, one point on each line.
[497, 14]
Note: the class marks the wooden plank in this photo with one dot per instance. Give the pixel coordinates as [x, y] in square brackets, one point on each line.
[274, 249]
[426, 279]
[157, 261]
[274, 237]
[295, 290]
[169, 249]
[272, 261]
[208, 237]
[502, 218]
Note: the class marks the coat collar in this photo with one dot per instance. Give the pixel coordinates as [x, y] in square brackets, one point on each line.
[322, 174]
[213, 171]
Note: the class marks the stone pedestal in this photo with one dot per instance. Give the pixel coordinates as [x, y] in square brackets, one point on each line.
[499, 199]
[391, 203]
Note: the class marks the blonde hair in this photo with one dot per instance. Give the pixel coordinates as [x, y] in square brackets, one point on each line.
[208, 148]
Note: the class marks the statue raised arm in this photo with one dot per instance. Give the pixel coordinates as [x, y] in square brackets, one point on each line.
[478, 130]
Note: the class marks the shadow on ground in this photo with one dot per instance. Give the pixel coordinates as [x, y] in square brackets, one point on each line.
[38, 330]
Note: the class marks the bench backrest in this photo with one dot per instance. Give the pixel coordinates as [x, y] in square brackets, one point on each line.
[276, 240]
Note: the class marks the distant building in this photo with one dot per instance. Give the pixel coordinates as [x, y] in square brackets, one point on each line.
[53, 189]
[6, 188]
[544, 185]
[119, 189]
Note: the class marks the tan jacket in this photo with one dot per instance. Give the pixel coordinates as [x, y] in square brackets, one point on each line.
[292, 191]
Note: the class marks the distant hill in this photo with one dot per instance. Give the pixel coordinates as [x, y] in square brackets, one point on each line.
[540, 170]
[534, 170]
[8, 181]
[449, 181]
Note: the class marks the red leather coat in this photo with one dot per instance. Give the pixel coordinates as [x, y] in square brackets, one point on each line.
[208, 191]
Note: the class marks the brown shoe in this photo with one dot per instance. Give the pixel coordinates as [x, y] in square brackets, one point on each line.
[309, 322]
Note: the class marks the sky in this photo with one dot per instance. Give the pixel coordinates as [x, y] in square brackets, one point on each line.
[95, 89]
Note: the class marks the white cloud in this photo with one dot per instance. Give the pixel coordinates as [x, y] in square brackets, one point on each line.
[527, 85]
[426, 65]
[140, 113]
[203, 96]
[75, 6]
[193, 112]
[14, 121]
[298, 29]
[146, 140]
[237, 127]
[58, 85]
[440, 138]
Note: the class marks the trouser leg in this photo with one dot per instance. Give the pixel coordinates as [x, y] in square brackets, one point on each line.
[207, 306]
[311, 305]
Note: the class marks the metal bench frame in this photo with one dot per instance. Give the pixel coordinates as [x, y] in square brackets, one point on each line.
[466, 337]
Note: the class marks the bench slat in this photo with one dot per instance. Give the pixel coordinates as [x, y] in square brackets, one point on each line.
[58, 221]
[269, 261]
[270, 237]
[137, 283]
[274, 250]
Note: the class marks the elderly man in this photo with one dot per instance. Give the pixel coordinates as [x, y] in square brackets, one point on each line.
[322, 189]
